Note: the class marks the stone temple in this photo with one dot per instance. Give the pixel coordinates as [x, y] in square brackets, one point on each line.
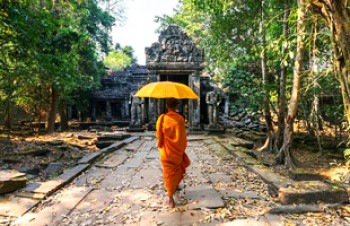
[174, 57]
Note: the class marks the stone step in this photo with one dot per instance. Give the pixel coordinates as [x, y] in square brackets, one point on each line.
[287, 190]
[11, 180]
[49, 187]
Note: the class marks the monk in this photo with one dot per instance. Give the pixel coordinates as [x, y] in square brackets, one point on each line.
[172, 142]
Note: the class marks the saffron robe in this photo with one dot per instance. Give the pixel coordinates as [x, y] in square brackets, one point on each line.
[172, 142]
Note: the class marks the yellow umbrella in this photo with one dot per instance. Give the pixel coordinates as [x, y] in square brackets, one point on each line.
[166, 89]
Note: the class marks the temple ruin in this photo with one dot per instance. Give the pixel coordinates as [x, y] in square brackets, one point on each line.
[174, 57]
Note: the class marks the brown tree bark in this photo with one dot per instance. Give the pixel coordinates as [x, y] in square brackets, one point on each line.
[337, 16]
[282, 100]
[285, 153]
[50, 124]
[265, 78]
[63, 111]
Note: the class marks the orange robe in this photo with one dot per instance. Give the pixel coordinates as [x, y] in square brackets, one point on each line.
[172, 142]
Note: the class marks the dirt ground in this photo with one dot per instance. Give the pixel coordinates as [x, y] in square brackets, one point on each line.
[35, 153]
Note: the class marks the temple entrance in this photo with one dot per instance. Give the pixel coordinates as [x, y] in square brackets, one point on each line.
[176, 58]
[116, 108]
[183, 104]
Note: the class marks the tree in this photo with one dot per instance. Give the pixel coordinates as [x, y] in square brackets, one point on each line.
[337, 16]
[120, 58]
[55, 47]
[298, 73]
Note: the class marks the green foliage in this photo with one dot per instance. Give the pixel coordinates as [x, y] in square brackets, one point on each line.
[346, 154]
[245, 87]
[120, 57]
[117, 60]
[46, 45]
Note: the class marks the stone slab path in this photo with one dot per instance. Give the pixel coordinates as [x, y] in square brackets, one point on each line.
[125, 187]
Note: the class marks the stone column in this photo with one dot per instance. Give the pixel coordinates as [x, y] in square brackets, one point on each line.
[143, 111]
[194, 104]
[126, 108]
[227, 104]
[108, 111]
[153, 105]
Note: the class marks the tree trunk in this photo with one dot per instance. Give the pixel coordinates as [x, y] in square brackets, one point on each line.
[8, 117]
[63, 111]
[284, 153]
[50, 124]
[283, 83]
[337, 15]
[314, 124]
[266, 105]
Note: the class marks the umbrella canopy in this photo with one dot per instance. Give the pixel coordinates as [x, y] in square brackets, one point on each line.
[166, 89]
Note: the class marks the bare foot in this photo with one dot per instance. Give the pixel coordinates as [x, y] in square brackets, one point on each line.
[170, 202]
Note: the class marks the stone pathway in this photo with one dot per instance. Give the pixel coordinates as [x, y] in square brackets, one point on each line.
[125, 187]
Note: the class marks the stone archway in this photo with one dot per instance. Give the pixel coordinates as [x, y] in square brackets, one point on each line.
[175, 57]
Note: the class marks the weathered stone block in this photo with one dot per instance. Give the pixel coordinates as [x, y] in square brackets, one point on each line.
[11, 180]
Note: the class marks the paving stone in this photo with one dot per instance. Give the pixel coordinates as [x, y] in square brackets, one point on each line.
[240, 195]
[153, 155]
[90, 158]
[274, 220]
[113, 161]
[51, 186]
[47, 187]
[72, 173]
[195, 138]
[100, 207]
[147, 177]
[53, 215]
[140, 154]
[122, 151]
[130, 140]
[197, 217]
[133, 163]
[247, 222]
[159, 218]
[134, 146]
[115, 146]
[125, 170]
[115, 181]
[96, 200]
[135, 197]
[268, 176]
[16, 207]
[195, 176]
[223, 178]
[148, 146]
[91, 177]
[203, 196]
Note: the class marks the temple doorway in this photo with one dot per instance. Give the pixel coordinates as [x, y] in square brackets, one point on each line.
[183, 103]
